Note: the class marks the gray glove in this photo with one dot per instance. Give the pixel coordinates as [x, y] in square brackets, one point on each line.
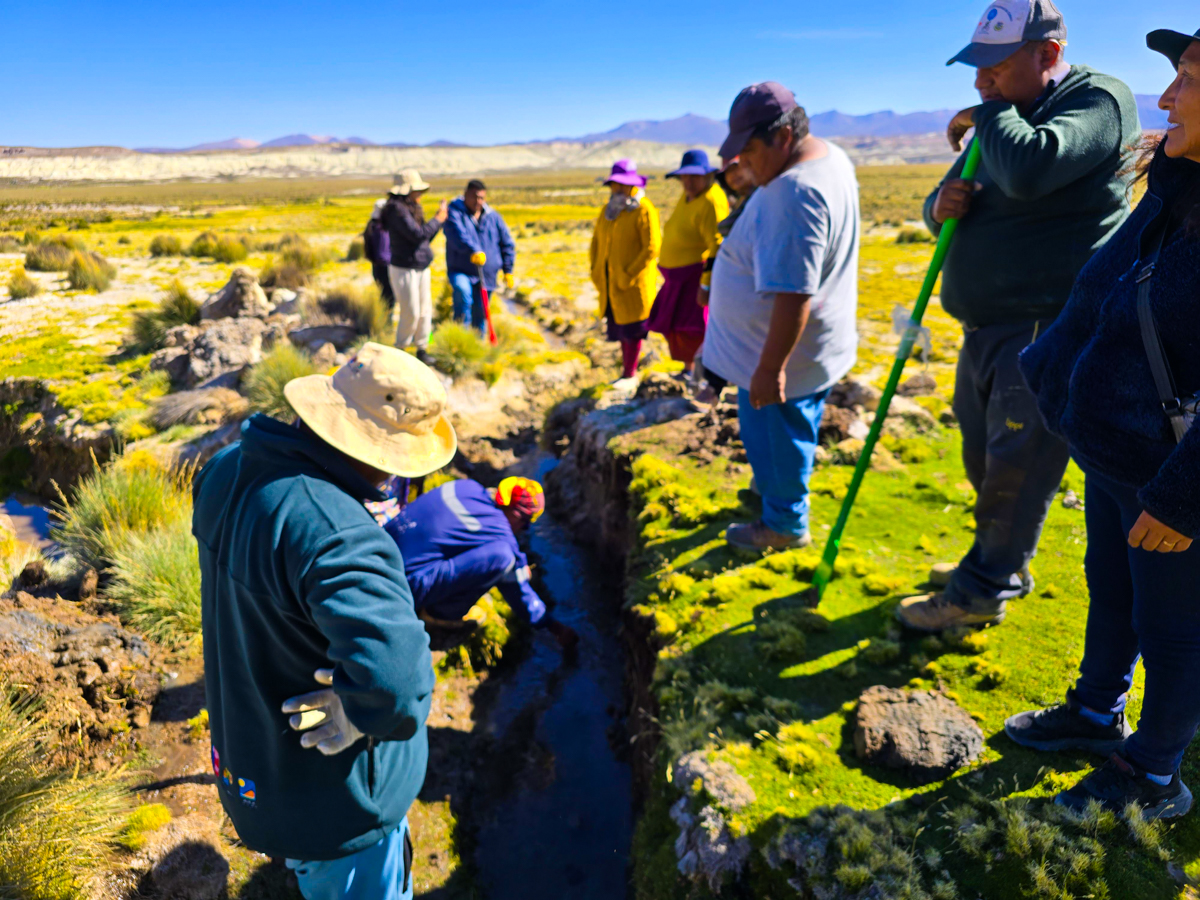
[337, 733]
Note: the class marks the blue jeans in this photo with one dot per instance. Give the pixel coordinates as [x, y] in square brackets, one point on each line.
[468, 301]
[1140, 602]
[448, 588]
[781, 441]
[381, 872]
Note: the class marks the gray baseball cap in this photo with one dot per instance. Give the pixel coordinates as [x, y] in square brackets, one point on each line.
[1007, 26]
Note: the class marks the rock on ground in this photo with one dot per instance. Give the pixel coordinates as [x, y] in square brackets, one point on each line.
[241, 296]
[90, 676]
[922, 733]
[706, 849]
[199, 355]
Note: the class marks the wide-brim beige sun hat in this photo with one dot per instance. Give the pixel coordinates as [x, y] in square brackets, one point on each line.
[408, 181]
[384, 407]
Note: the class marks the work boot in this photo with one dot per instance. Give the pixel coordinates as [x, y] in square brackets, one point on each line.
[1120, 782]
[934, 613]
[758, 538]
[423, 356]
[1065, 727]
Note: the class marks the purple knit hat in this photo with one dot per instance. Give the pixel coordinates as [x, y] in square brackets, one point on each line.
[624, 171]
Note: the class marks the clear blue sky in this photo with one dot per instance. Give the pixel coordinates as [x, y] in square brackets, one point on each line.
[177, 73]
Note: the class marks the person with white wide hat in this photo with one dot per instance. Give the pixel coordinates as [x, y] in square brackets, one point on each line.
[301, 588]
[408, 271]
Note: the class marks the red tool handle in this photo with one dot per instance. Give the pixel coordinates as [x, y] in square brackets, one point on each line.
[487, 308]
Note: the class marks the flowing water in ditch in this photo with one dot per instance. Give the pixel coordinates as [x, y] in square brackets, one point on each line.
[563, 829]
[30, 519]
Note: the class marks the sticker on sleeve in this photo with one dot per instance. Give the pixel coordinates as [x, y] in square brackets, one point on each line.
[246, 791]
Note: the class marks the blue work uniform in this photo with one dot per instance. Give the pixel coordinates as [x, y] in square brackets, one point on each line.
[457, 545]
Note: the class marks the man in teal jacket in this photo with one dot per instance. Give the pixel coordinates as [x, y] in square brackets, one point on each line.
[301, 588]
[1053, 186]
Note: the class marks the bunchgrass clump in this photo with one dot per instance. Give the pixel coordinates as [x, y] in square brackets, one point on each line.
[356, 251]
[53, 254]
[89, 271]
[131, 495]
[353, 304]
[166, 245]
[156, 584]
[458, 350]
[178, 307]
[222, 248]
[10, 244]
[20, 285]
[283, 275]
[58, 827]
[914, 235]
[264, 383]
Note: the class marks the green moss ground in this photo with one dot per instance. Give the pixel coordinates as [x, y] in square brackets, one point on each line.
[725, 623]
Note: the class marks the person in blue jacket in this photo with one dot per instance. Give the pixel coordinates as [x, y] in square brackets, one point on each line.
[1093, 372]
[301, 588]
[477, 240]
[459, 541]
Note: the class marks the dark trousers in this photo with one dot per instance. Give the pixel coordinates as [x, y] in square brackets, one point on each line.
[448, 588]
[1141, 602]
[379, 271]
[1013, 462]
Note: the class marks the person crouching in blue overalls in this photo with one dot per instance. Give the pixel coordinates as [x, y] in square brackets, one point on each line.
[459, 541]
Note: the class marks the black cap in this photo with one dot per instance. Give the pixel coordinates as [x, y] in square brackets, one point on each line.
[1171, 44]
[759, 104]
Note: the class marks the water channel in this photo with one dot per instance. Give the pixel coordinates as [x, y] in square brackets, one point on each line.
[564, 828]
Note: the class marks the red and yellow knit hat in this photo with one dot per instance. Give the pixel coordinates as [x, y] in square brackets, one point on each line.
[523, 495]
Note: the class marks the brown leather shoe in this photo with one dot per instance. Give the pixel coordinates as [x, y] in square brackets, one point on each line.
[758, 538]
[933, 613]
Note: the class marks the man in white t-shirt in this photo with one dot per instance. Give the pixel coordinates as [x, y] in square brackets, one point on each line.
[783, 302]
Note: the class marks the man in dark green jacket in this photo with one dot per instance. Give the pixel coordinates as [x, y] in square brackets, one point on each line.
[302, 588]
[1057, 143]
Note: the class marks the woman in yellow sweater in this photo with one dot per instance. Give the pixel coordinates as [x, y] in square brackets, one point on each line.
[625, 246]
[690, 243]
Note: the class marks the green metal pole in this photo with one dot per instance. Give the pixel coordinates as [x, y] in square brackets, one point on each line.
[825, 569]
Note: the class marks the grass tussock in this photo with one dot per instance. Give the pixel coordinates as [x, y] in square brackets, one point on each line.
[54, 254]
[156, 583]
[132, 495]
[59, 827]
[295, 262]
[356, 251]
[221, 248]
[264, 383]
[166, 245]
[178, 307]
[89, 271]
[20, 285]
[914, 235]
[10, 244]
[361, 307]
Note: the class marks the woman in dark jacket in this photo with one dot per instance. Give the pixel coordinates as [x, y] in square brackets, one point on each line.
[408, 271]
[1095, 386]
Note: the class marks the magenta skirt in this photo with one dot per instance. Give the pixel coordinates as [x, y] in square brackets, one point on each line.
[675, 308]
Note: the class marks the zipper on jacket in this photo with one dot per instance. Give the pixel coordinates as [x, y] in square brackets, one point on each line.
[371, 766]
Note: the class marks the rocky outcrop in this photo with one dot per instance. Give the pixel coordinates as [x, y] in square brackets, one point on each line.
[922, 733]
[240, 297]
[706, 849]
[44, 442]
[92, 677]
[216, 352]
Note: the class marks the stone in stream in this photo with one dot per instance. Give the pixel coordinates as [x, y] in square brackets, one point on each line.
[922, 733]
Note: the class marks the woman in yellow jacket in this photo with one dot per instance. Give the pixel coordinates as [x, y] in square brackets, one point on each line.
[624, 251]
[690, 243]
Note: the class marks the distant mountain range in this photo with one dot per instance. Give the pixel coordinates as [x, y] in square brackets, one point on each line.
[686, 129]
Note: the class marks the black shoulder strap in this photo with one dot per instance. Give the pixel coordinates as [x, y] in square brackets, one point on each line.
[1159, 367]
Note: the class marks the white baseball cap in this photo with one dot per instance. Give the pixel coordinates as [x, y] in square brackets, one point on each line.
[1006, 26]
